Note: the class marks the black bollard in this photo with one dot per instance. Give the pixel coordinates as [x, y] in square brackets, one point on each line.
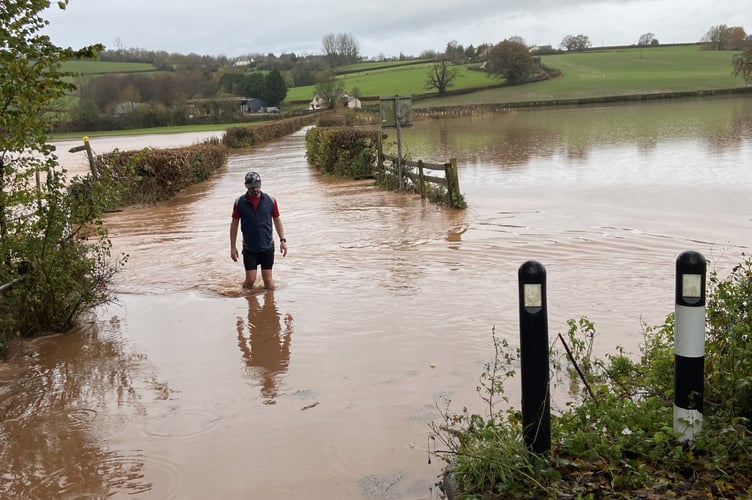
[689, 344]
[536, 406]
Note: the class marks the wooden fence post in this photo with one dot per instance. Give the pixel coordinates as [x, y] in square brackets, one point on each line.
[421, 182]
[453, 182]
[91, 158]
[86, 147]
[380, 160]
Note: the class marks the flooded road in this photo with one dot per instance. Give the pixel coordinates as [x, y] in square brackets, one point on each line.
[325, 388]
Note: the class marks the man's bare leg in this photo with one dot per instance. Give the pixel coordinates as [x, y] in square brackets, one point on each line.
[250, 279]
[266, 275]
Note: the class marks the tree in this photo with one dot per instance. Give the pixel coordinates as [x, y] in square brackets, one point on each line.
[511, 61]
[646, 39]
[736, 38]
[328, 88]
[304, 71]
[575, 42]
[348, 48]
[275, 87]
[329, 48]
[716, 37]
[441, 76]
[454, 52]
[253, 84]
[743, 65]
[54, 233]
[340, 49]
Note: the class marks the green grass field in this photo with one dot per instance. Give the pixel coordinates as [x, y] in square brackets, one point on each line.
[628, 71]
[590, 74]
[86, 67]
[622, 71]
[403, 79]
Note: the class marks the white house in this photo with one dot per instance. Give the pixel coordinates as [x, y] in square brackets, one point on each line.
[348, 100]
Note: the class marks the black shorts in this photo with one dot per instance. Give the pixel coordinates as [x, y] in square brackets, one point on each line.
[265, 259]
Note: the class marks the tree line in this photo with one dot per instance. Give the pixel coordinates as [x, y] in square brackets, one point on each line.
[171, 95]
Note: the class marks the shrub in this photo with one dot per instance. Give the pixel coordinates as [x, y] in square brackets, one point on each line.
[245, 137]
[615, 437]
[57, 236]
[342, 151]
[150, 176]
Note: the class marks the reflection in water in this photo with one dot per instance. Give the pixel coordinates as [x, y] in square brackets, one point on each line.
[266, 348]
[53, 397]
[520, 137]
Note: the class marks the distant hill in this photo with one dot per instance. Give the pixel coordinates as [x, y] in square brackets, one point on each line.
[591, 73]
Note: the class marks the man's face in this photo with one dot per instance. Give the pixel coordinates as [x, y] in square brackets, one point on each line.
[255, 191]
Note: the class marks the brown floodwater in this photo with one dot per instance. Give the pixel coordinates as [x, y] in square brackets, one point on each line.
[189, 387]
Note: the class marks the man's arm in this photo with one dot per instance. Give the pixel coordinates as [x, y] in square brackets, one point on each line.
[281, 233]
[234, 238]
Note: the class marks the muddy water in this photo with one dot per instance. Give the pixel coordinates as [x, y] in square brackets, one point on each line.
[324, 388]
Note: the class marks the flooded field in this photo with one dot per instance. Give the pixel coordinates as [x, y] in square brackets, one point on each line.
[189, 387]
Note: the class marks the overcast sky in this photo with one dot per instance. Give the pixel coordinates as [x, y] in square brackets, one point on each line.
[385, 28]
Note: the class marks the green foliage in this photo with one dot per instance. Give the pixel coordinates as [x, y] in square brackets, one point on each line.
[150, 176]
[275, 87]
[728, 342]
[245, 137]
[329, 89]
[403, 79]
[511, 61]
[615, 437]
[342, 151]
[487, 455]
[56, 235]
[743, 65]
[613, 72]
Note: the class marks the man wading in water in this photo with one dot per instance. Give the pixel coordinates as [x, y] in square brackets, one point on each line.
[255, 212]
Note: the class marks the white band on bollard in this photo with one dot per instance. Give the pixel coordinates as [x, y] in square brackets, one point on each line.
[689, 328]
[688, 423]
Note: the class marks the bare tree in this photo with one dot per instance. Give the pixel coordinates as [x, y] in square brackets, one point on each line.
[716, 37]
[340, 49]
[441, 76]
[329, 48]
[347, 47]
